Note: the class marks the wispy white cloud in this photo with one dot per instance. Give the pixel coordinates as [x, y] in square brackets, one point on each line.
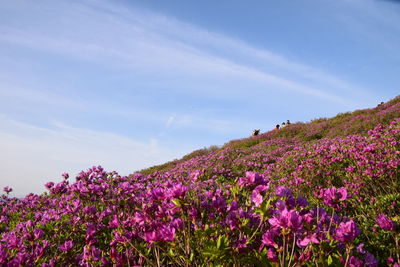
[232, 127]
[170, 121]
[37, 101]
[31, 98]
[235, 47]
[29, 95]
[32, 156]
[149, 42]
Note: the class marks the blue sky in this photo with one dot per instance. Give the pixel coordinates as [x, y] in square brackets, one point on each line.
[131, 84]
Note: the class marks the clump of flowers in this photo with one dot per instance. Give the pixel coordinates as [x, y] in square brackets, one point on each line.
[334, 197]
[385, 223]
[7, 189]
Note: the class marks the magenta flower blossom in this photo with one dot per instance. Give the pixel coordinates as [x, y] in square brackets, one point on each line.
[261, 188]
[177, 223]
[86, 255]
[271, 254]
[355, 262]
[286, 218]
[240, 245]
[4, 219]
[360, 248]
[233, 206]
[124, 186]
[90, 232]
[346, 231]
[38, 233]
[252, 178]
[139, 219]
[333, 196]
[7, 189]
[65, 175]
[280, 205]
[195, 175]
[167, 233]
[150, 237]
[283, 191]
[370, 260]
[219, 203]
[158, 193]
[89, 210]
[311, 238]
[179, 190]
[96, 253]
[257, 198]
[164, 233]
[114, 223]
[302, 201]
[389, 261]
[49, 185]
[3, 256]
[278, 221]
[67, 246]
[118, 238]
[385, 223]
[268, 238]
[295, 220]
[305, 256]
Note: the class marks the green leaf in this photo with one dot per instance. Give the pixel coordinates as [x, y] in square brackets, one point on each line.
[266, 206]
[171, 252]
[219, 241]
[176, 202]
[330, 261]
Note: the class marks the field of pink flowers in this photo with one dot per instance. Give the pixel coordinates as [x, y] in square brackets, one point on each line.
[317, 194]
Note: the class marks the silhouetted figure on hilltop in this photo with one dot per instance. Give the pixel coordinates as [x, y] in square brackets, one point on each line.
[287, 122]
[256, 132]
[277, 127]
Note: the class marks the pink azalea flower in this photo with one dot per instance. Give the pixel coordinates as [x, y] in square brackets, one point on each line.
[67, 246]
[385, 223]
[347, 231]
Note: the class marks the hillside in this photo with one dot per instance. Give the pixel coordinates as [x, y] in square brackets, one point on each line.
[323, 193]
[342, 125]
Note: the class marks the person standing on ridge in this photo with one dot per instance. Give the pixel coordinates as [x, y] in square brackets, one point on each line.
[256, 132]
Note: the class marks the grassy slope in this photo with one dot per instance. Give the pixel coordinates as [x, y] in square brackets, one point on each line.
[342, 125]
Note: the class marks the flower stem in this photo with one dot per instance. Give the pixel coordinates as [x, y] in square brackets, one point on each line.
[347, 257]
[397, 248]
[291, 254]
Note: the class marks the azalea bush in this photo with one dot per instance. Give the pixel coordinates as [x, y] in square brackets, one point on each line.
[104, 219]
[276, 201]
